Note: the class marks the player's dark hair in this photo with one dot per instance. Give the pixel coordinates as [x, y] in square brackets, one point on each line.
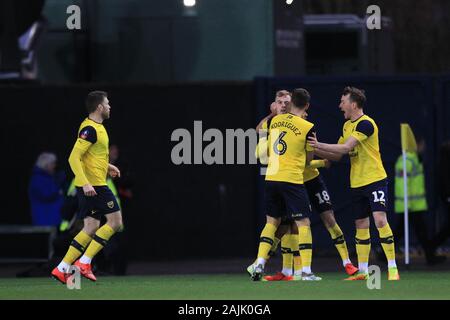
[300, 98]
[356, 95]
[94, 98]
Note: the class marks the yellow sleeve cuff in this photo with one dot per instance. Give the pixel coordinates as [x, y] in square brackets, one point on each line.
[317, 164]
[261, 151]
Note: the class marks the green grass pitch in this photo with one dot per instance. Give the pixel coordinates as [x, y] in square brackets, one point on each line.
[414, 285]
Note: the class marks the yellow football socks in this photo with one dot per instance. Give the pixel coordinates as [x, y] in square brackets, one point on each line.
[77, 247]
[387, 242]
[287, 254]
[363, 249]
[296, 254]
[99, 240]
[339, 242]
[274, 248]
[305, 247]
[266, 241]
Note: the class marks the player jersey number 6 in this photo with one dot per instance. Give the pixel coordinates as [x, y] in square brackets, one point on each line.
[280, 142]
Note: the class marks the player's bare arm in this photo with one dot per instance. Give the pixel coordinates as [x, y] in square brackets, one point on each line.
[342, 149]
[328, 156]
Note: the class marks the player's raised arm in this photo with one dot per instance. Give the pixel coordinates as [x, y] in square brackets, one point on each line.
[86, 138]
[261, 123]
[273, 113]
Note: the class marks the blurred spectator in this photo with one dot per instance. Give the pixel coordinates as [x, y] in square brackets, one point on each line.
[69, 209]
[417, 200]
[123, 183]
[45, 191]
[444, 191]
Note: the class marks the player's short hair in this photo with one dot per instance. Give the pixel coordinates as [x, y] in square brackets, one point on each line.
[94, 98]
[300, 97]
[282, 93]
[356, 95]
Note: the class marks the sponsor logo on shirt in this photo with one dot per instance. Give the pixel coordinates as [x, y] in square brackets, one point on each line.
[297, 215]
[353, 153]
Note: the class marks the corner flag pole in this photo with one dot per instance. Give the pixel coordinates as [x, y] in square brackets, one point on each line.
[405, 201]
[408, 144]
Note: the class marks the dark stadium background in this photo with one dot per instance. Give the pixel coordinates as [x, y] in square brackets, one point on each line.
[165, 66]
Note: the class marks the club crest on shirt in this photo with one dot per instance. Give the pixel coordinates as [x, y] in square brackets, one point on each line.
[110, 204]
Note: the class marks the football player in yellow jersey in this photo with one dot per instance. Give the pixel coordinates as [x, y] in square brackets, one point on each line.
[320, 200]
[368, 182]
[89, 161]
[285, 193]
